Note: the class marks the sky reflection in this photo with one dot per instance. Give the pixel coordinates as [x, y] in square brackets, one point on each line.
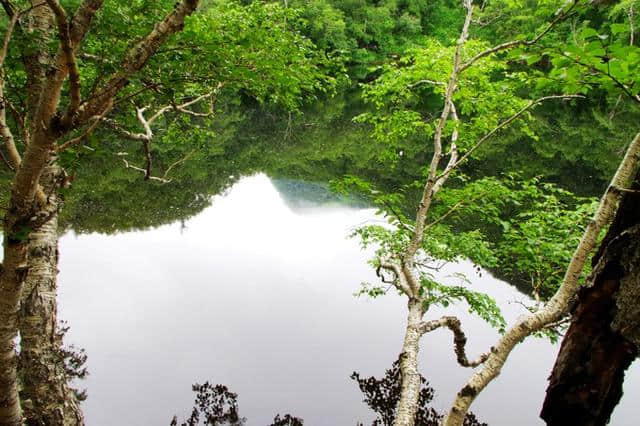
[258, 296]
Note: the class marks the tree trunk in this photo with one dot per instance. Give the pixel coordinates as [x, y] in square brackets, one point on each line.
[46, 396]
[410, 389]
[11, 279]
[604, 336]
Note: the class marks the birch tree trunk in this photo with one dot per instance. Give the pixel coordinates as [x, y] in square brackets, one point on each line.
[28, 209]
[604, 336]
[560, 302]
[410, 388]
[46, 396]
[13, 274]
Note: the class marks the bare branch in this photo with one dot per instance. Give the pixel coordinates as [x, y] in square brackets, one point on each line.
[155, 178]
[184, 107]
[85, 135]
[632, 30]
[452, 210]
[459, 339]
[424, 81]
[146, 125]
[7, 38]
[397, 215]
[624, 190]
[147, 154]
[400, 282]
[9, 9]
[95, 58]
[19, 118]
[182, 160]
[122, 131]
[5, 160]
[561, 16]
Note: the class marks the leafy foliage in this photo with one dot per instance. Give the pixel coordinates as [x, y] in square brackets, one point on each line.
[408, 94]
[538, 243]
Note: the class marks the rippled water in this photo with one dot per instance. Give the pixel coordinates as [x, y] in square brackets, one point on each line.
[256, 293]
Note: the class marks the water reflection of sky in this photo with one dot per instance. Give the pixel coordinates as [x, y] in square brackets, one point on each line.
[259, 297]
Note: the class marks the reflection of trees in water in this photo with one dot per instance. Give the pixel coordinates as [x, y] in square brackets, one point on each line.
[216, 405]
[382, 395]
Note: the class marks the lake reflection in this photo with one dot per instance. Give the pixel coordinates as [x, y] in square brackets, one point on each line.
[256, 293]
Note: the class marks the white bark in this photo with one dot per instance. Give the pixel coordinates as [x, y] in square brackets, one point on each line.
[45, 395]
[559, 303]
[409, 374]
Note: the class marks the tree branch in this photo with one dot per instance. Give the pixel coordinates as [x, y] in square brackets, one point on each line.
[400, 282]
[7, 38]
[122, 131]
[68, 54]
[137, 57]
[182, 160]
[451, 211]
[5, 131]
[19, 118]
[146, 177]
[184, 107]
[453, 151]
[561, 16]
[6, 161]
[425, 81]
[83, 136]
[459, 339]
[559, 303]
[428, 191]
[617, 82]
[501, 126]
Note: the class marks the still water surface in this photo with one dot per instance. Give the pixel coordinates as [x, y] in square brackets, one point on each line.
[256, 292]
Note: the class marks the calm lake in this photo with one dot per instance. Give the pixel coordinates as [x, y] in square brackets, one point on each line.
[256, 292]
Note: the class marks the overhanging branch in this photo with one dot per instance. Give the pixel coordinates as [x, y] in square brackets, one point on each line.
[459, 339]
[561, 16]
[501, 126]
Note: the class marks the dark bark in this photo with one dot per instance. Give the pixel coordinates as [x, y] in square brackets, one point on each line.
[603, 338]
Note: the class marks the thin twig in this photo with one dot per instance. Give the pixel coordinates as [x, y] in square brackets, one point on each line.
[131, 166]
[182, 160]
[504, 124]
[510, 44]
[86, 134]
